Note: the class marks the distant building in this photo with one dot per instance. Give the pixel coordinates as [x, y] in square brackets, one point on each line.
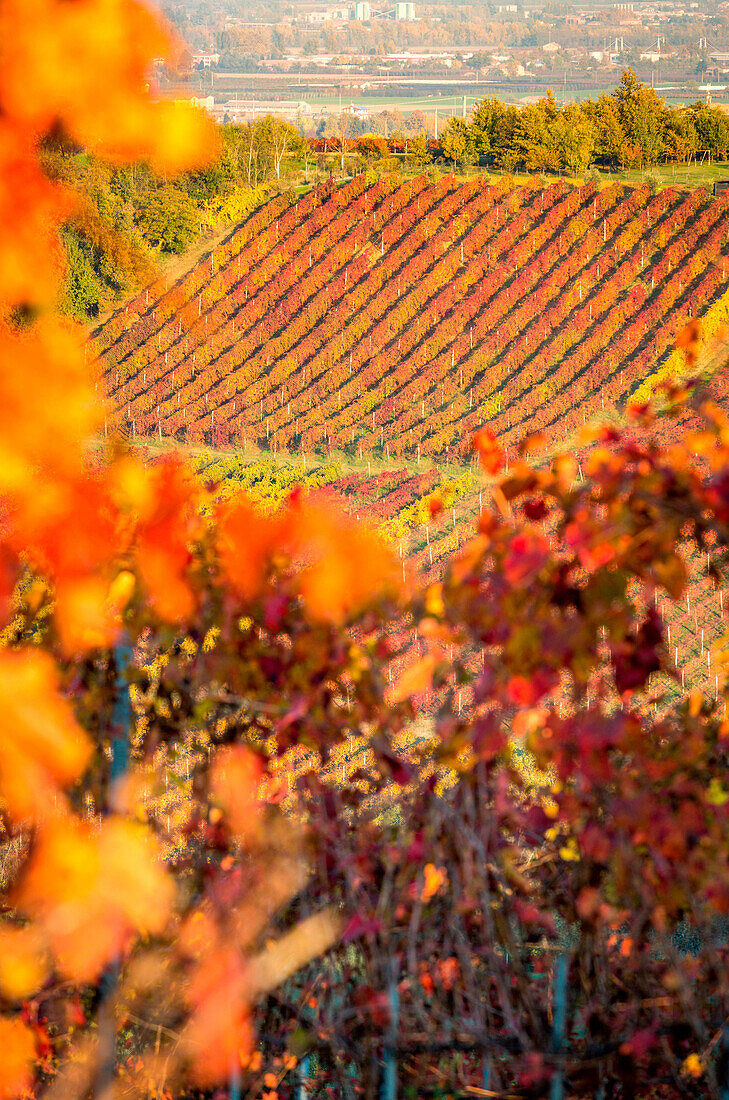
[362, 11]
[551, 47]
[356, 111]
[206, 60]
[405, 10]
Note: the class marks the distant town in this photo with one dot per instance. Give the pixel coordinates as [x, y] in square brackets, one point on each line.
[304, 62]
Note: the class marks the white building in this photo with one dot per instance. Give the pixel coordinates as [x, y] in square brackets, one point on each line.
[205, 59]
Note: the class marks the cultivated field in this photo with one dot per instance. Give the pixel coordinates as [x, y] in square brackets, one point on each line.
[392, 317]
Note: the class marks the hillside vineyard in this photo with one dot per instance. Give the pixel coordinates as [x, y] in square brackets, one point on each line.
[398, 316]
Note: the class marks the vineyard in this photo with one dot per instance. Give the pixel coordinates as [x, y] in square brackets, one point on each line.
[393, 317]
[427, 515]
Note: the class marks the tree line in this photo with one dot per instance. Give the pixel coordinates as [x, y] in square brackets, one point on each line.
[126, 217]
[629, 127]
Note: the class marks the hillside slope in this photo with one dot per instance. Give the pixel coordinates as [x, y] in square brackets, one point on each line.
[395, 316]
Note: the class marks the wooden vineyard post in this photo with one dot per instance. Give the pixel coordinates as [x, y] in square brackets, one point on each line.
[389, 1076]
[559, 1020]
[121, 720]
[486, 1078]
[302, 1092]
[235, 1083]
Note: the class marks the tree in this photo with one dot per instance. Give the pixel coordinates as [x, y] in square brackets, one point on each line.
[536, 143]
[418, 152]
[277, 142]
[371, 148]
[168, 220]
[575, 139]
[416, 122]
[610, 136]
[487, 118]
[680, 136]
[456, 141]
[711, 128]
[342, 129]
[641, 113]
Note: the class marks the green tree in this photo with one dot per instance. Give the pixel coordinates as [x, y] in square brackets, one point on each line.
[418, 153]
[487, 119]
[535, 141]
[575, 138]
[642, 116]
[169, 220]
[279, 143]
[712, 129]
[680, 136]
[609, 133]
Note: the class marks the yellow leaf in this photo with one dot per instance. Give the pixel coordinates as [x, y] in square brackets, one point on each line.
[434, 600]
[692, 1066]
[569, 851]
[23, 962]
[716, 795]
[671, 572]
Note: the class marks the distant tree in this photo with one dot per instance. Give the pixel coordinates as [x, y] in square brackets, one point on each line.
[575, 139]
[416, 122]
[535, 141]
[680, 137]
[487, 117]
[278, 142]
[371, 147]
[342, 129]
[380, 124]
[642, 116]
[169, 220]
[610, 136]
[84, 293]
[712, 128]
[456, 140]
[418, 153]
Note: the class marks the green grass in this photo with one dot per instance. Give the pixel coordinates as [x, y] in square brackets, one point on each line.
[673, 175]
[349, 464]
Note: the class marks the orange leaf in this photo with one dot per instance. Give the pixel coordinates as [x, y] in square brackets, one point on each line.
[43, 748]
[490, 452]
[235, 780]
[18, 1054]
[93, 890]
[219, 1033]
[246, 543]
[348, 565]
[23, 963]
[415, 680]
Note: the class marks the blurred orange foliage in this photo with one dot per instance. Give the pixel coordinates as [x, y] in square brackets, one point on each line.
[91, 533]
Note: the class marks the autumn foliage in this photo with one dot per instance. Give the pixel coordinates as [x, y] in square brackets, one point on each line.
[543, 910]
[99, 556]
[394, 317]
